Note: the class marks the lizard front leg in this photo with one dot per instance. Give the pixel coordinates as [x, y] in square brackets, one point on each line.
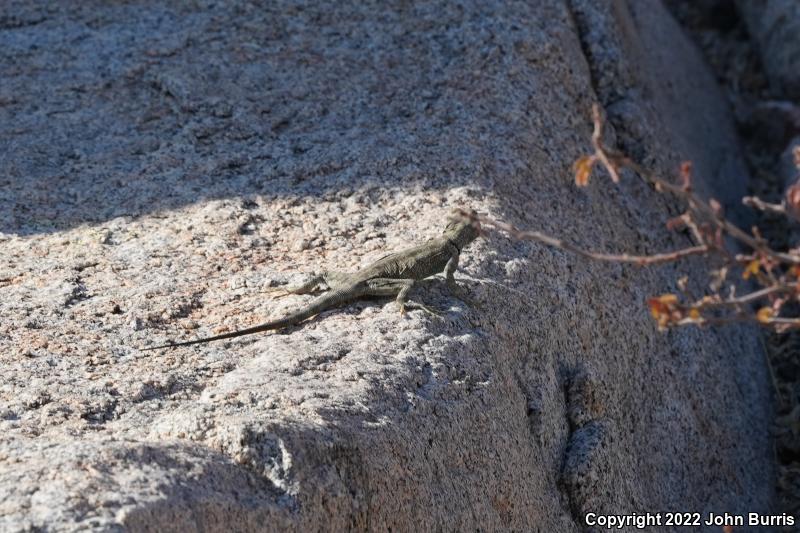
[449, 270]
[399, 287]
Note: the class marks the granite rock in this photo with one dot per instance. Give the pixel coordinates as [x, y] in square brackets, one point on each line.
[164, 166]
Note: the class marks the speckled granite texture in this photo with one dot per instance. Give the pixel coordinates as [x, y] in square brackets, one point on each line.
[162, 167]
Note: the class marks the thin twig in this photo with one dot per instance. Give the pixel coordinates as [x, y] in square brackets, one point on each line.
[612, 160]
[598, 256]
[761, 205]
[747, 298]
[774, 270]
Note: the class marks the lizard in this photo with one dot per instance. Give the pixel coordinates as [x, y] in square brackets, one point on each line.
[391, 275]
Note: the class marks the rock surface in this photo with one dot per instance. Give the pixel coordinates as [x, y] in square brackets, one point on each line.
[162, 167]
[775, 24]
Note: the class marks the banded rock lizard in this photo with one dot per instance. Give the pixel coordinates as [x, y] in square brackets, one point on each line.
[391, 275]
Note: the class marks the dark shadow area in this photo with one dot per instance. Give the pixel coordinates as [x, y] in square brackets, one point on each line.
[768, 122]
[124, 109]
[177, 484]
[219, 493]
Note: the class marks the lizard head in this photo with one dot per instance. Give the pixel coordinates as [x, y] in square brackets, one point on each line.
[463, 227]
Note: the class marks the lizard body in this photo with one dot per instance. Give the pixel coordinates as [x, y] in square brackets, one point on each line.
[391, 275]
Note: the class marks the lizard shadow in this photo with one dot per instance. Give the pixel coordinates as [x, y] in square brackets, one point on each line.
[354, 307]
[437, 297]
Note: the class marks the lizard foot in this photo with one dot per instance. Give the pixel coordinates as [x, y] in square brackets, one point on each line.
[421, 307]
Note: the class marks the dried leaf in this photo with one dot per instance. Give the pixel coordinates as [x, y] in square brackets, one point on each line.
[655, 307]
[666, 310]
[751, 269]
[764, 315]
[662, 305]
[583, 169]
[686, 175]
[694, 313]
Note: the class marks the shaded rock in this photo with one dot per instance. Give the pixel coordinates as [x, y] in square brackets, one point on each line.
[775, 24]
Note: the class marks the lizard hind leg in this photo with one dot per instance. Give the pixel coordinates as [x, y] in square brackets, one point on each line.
[400, 289]
[309, 287]
[452, 286]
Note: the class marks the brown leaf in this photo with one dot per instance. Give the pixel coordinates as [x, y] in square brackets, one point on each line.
[583, 169]
[764, 315]
[686, 175]
[751, 269]
[664, 309]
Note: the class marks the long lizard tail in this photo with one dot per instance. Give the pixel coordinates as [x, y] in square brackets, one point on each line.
[326, 301]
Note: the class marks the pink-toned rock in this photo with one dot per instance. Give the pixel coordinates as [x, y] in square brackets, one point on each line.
[151, 154]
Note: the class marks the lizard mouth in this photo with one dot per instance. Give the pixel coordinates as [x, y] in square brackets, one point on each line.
[460, 214]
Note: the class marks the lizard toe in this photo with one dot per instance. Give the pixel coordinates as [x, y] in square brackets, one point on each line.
[423, 307]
